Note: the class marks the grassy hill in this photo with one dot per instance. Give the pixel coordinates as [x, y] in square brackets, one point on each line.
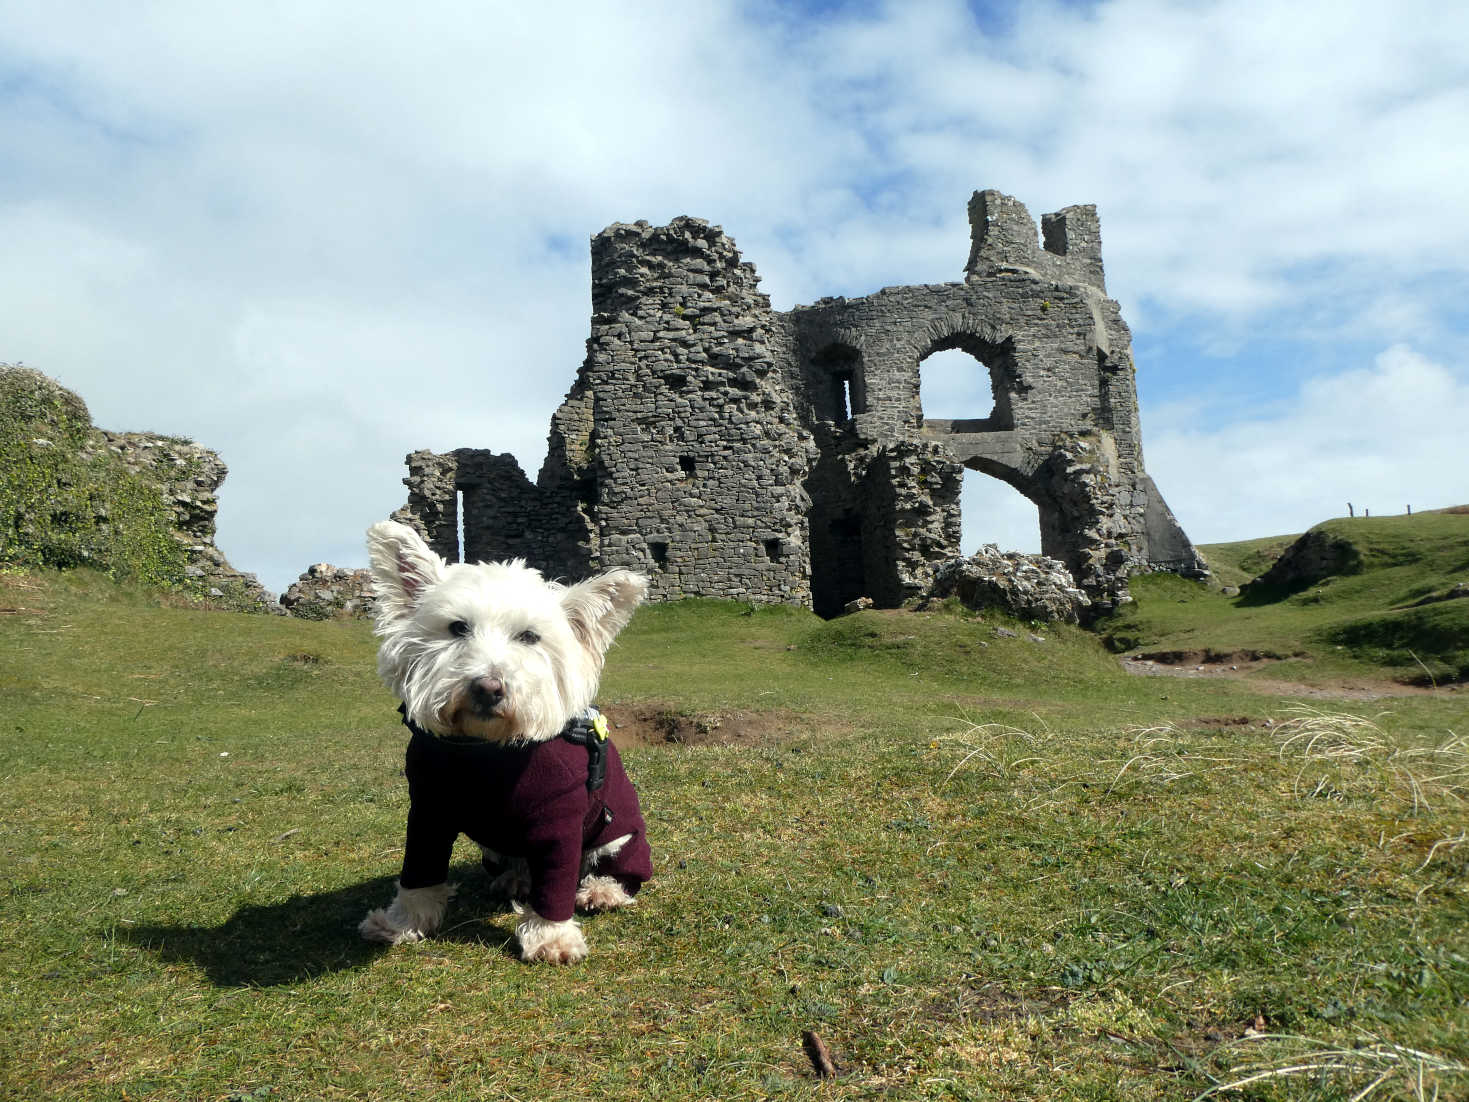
[1378, 615]
[976, 856]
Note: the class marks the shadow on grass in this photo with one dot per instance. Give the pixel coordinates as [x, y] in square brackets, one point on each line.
[305, 936]
[1255, 594]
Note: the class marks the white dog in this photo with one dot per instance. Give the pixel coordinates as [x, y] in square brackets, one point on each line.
[497, 670]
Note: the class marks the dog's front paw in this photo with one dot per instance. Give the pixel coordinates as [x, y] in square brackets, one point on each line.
[602, 893]
[414, 914]
[552, 942]
[377, 926]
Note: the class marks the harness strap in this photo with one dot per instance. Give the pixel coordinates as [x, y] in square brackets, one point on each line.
[590, 730]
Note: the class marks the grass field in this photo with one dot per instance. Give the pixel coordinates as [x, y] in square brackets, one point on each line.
[1378, 622]
[978, 866]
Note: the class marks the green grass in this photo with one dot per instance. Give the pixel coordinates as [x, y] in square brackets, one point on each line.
[979, 866]
[1367, 623]
[1237, 563]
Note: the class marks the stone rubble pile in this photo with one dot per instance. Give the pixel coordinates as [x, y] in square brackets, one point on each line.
[327, 592]
[1029, 587]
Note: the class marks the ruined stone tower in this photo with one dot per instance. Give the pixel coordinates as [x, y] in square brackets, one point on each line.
[729, 450]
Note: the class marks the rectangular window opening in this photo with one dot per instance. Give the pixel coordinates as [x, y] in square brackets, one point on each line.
[772, 550]
[659, 550]
[687, 465]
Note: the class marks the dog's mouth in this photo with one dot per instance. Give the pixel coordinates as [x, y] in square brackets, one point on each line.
[482, 710]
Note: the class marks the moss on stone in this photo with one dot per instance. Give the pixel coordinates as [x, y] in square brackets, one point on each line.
[138, 507]
[65, 499]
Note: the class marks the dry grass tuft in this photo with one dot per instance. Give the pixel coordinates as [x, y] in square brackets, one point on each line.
[996, 749]
[1369, 1066]
[1164, 755]
[1345, 753]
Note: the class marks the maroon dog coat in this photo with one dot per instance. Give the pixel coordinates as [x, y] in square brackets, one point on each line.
[537, 801]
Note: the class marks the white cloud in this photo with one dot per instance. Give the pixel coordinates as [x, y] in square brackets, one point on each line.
[314, 236]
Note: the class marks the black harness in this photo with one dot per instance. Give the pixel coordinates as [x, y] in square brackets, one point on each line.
[588, 729]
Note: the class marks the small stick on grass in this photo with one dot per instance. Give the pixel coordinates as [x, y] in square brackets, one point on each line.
[820, 1057]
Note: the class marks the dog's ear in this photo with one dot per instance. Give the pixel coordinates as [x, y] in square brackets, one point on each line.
[600, 607]
[403, 566]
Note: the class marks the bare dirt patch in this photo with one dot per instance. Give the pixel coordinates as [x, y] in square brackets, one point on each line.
[1210, 658]
[657, 724]
[990, 1003]
[1203, 1037]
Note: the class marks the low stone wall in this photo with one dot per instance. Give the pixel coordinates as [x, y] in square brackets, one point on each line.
[327, 592]
[1030, 587]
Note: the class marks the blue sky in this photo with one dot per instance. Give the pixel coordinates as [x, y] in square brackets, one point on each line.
[316, 236]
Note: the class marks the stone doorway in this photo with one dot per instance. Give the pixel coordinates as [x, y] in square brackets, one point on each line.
[851, 531]
[837, 575]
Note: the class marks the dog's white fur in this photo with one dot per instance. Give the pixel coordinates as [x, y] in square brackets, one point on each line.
[414, 914]
[443, 626]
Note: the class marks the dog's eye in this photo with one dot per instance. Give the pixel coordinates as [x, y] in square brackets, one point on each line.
[459, 629]
[528, 637]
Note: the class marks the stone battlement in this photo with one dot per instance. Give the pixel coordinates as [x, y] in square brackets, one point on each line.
[1003, 238]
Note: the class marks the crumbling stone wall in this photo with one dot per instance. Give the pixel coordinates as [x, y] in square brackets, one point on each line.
[136, 505]
[501, 514]
[189, 476]
[730, 450]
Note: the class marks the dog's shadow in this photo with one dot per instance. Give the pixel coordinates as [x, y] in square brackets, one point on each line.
[305, 936]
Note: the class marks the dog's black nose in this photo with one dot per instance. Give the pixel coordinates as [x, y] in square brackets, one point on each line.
[486, 693]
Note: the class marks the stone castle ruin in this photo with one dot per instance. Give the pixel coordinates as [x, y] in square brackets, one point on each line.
[730, 450]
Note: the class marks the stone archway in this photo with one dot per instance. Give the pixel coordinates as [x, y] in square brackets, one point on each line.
[968, 383]
[991, 511]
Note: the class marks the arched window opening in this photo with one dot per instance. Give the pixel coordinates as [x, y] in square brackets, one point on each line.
[969, 382]
[991, 511]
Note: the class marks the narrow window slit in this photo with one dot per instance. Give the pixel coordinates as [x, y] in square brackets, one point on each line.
[458, 525]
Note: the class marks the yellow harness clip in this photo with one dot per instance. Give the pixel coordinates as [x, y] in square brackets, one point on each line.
[599, 725]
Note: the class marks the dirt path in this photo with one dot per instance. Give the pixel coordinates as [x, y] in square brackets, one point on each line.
[1241, 665]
